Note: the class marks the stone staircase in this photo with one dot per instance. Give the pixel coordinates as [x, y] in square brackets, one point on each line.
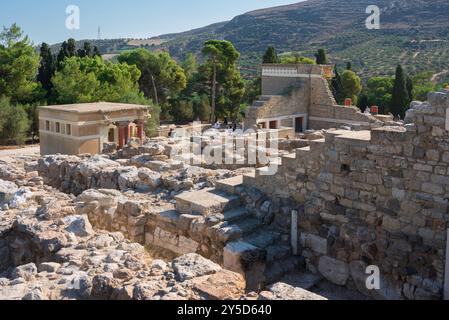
[250, 247]
[304, 155]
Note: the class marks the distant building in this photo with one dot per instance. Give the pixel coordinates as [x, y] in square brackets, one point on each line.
[85, 128]
[298, 96]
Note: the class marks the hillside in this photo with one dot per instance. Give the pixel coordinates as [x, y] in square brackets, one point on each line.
[414, 33]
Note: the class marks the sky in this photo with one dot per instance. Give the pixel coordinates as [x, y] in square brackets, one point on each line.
[45, 20]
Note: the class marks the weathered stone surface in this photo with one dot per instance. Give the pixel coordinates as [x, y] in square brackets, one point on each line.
[192, 266]
[282, 291]
[79, 225]
[222, 285]
[334, 270]
[7, 191]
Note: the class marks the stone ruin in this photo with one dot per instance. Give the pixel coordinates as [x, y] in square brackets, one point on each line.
[138, 224]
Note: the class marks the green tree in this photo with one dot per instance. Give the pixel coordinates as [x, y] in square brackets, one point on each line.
[161, 76]
[270, 55]
[348, 65]
[91, 79]
[337, 86]
[182, 110]
[96, 52]
[63, 53]
[222, 74]
[321, 57]
[351, 85]
[47, 68]
[378, 91]
[422, 85]
[71, 47]
[19, 64]
[295, 58]
[190, 65]
[201, 107]
[14, 122]
[399, 98]
[253, 90]
[86, 51]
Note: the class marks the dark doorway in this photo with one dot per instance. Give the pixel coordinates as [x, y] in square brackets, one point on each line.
[273, 125]
[299, 127]
[111, 135]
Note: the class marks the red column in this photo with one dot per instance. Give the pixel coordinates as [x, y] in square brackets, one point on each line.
[126, 130]
[140, 131]
[121, 137]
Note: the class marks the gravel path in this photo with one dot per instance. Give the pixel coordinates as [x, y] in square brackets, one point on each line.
[29, 150]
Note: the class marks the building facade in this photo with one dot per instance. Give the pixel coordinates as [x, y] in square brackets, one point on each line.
[85, 128]
[298, 96]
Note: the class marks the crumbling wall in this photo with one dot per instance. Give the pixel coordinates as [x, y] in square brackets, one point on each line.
[379, 199]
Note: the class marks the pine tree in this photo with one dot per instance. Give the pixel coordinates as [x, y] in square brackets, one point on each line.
[349, 66]
[270, 56]
[321, 57]
[400, 96]
[47, 68]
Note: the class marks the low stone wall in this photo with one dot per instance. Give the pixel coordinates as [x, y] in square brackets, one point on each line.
[378, 198]
[142, 221]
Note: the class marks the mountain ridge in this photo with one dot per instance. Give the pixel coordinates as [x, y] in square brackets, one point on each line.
[414, 33]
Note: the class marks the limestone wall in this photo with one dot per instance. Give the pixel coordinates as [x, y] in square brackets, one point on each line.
[374, 198]
[302, 90]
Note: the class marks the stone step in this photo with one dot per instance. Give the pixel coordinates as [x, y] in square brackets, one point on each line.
[237, 214]
[229, 185]
[205, 202]
[289, 160]
[248, 226]
[276, 270]
[317, 144]
[302, 152]
[278, 252]
[302, 280]
[249, 179]
[263, 238]
[265, 98]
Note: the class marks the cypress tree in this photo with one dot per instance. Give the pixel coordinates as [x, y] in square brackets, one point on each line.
[400, 96]
[63, 53]
[321, 57]
[270, 56]
[337, 86]
[47, 68]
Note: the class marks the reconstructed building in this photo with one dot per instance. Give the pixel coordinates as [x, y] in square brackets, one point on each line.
[85, 128]
[298, 96]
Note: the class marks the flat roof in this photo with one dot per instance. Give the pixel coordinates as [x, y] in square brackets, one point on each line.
[95, 107]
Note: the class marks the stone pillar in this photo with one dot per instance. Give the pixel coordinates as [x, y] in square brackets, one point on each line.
[140, 131]
[446, 277]
[294, 233]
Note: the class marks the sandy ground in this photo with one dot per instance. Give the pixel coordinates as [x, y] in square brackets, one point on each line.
[25, 151]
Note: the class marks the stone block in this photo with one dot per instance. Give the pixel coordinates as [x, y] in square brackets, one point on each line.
[335, 271]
